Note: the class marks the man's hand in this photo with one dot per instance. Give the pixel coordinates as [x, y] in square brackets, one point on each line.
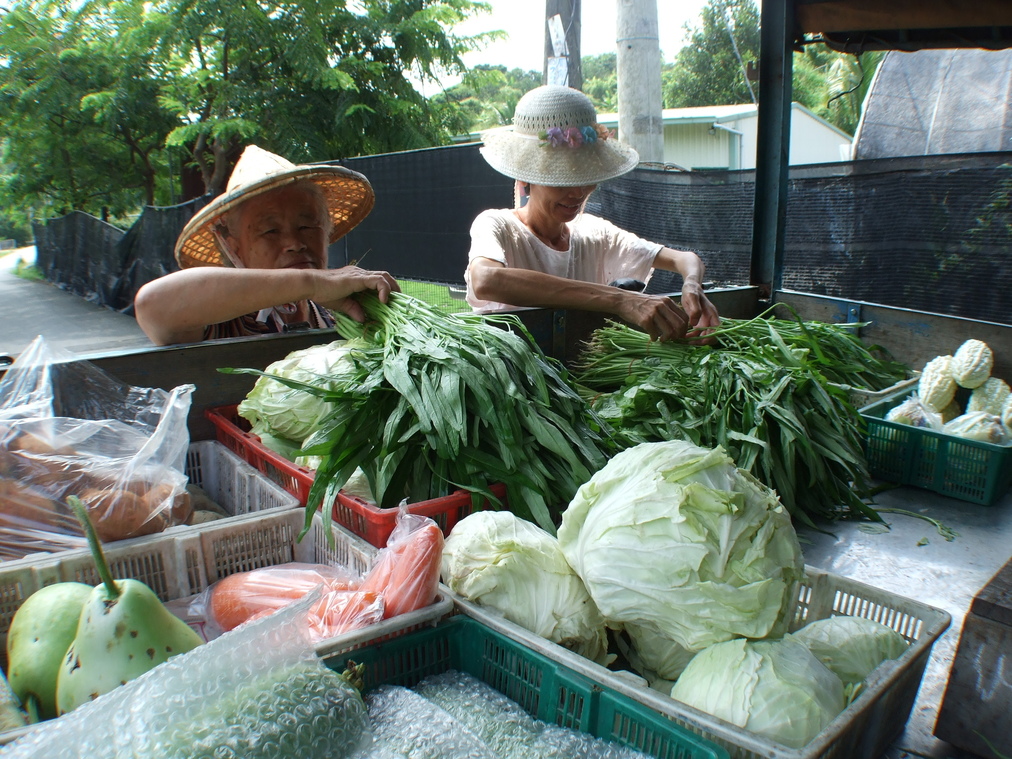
[335, 286]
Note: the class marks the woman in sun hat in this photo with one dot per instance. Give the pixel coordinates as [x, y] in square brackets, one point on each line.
[254, 260]
[548, 253]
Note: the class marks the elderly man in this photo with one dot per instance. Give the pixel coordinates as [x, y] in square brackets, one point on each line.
[254, 260]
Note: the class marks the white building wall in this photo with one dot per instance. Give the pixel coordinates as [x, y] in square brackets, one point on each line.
[813, 141]
[693, 144]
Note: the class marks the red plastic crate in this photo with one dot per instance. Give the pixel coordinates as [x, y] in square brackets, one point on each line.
[365, 519]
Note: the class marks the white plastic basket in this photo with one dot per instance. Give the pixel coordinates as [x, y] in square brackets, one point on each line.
[232, 483]
[863, 730]
[182, 562]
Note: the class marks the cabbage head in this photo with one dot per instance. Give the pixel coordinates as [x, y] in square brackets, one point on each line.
[279, 411]
[673, 541]
[851, 646]
[775, 688]
[506, 563]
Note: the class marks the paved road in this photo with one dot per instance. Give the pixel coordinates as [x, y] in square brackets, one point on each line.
[29, 308]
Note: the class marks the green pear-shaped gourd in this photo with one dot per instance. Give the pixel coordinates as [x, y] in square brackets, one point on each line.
[123, 632]
[41, 631]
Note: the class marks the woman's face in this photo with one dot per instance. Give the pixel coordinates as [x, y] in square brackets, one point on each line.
[560, 203]
[286, 228]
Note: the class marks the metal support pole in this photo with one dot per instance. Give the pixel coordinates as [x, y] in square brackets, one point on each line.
[774, 139]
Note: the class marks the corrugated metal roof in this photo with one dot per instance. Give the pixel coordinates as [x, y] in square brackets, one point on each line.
[698, 114]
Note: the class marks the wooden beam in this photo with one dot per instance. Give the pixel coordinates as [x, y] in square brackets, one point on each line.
[815, 16]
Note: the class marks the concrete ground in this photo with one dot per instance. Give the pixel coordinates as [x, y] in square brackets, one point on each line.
[31, 308]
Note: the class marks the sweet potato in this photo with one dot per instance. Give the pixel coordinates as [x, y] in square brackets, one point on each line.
[119, 514]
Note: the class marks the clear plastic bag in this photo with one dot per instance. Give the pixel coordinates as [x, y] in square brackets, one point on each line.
[68, 428]
[406, 572]
[247, 596]
[258, 691]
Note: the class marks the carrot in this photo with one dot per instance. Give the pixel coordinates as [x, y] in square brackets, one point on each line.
[406, 573]
[341, 611]
[240, 597]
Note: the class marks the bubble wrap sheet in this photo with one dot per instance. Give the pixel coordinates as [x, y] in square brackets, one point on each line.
[192, 706]
[506, 729]
[407, 726]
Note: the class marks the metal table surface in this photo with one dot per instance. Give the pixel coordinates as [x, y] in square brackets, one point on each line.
[911, 558]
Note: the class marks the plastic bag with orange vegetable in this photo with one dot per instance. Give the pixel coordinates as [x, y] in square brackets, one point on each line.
[406, 572]
[68, 428]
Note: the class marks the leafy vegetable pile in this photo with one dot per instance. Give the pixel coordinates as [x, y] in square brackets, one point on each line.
[435, 403]
[772, 393]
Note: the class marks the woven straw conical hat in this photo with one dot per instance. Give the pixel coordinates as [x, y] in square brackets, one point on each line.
[555, 141]
[348, 194]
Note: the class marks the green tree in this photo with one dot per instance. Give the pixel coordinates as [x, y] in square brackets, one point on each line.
[92, 94]
[62, 151]
[710, 69]
[487, 96]
[600, 81]
[308, 80]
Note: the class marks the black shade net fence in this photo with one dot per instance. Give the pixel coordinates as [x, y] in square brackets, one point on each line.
[929, 233]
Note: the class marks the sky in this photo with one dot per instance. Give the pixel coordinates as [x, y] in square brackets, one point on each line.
[523, 20]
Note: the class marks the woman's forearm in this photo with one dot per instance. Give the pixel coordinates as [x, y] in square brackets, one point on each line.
[685, 262]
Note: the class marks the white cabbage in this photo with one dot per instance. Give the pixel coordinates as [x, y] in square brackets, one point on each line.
[851, 646]
[276, 410]
[498, 560]
[674, 540]
[775, 688]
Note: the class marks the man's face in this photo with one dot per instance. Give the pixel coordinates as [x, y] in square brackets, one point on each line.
[287, 228]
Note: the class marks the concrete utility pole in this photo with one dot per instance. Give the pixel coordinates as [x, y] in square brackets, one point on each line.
[562, 43]
[639, 79]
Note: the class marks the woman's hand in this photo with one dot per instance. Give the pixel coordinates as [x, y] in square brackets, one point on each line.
[657, 315]
[702, 314]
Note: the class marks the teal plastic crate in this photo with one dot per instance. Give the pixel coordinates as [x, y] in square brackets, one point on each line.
[548, 690]
[953, 466]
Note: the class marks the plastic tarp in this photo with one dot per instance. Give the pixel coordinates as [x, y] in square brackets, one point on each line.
[938, 101]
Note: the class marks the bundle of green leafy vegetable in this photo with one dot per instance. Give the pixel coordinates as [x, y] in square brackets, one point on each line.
[770, 392]
[432, 403]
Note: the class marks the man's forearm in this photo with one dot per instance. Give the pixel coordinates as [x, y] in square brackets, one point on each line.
[183, 303]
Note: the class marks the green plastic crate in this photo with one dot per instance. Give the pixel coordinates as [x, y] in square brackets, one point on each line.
[953, 466]
[548, 690]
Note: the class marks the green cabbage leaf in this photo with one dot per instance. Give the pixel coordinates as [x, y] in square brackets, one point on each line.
[775, 688]
[276, 411]
[851, 646]
[682, 550]
[506, 563]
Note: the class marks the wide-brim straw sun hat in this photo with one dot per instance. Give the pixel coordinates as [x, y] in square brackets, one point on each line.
[555, 141]
[348, 194]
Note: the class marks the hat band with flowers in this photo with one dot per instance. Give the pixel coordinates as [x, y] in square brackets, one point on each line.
[556, 141]
[574, 137]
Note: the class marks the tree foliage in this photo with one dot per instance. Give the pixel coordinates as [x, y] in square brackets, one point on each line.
[711, 69]
[707, 71]
[488, 95]
[95, 96]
